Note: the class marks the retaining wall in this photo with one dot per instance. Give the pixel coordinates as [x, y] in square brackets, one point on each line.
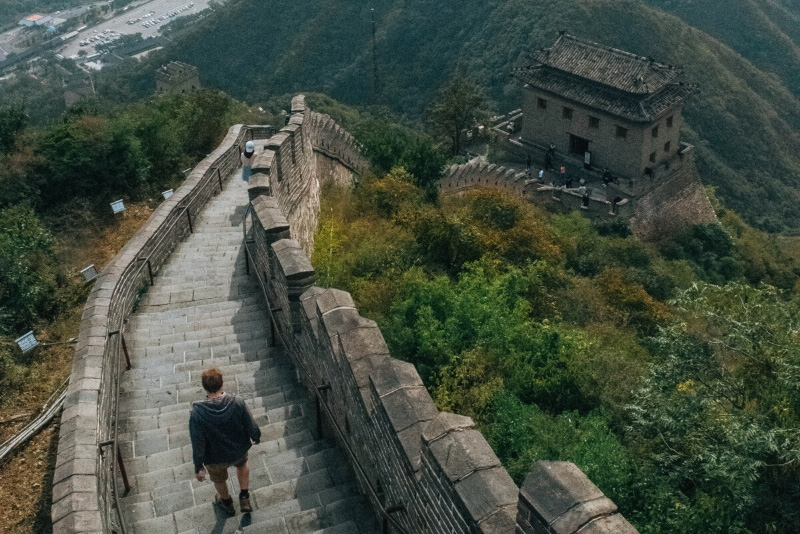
[433, 469]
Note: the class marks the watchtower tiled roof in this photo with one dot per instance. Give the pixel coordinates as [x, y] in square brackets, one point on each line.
[611, 80]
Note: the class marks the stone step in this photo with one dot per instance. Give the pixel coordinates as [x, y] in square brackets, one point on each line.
[245, 379]
[204, 311]
[231, 364]
[231, 324]
[170, 459]
[152, 377]
[251, 399]
[204, 349]
[305, 513]
[200, 310]
[171, 395]
[258, 406]
[179, 304]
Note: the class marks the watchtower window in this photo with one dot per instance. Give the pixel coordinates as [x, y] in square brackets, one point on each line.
[669, 121]
[542, 103]
[622, 132]
[594, 122]
[566, 113]
[653, 157]
[667, 146]
[655, 131]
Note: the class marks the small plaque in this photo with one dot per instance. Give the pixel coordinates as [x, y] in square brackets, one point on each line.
[167, 194]
[27, 342]
[89, 273]
[118, 206]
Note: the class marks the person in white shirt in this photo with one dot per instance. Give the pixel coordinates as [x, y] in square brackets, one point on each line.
[248, 157]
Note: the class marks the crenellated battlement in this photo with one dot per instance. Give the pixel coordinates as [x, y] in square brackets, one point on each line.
[431, 469]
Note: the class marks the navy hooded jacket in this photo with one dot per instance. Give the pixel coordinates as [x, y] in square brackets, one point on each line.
[221, 430]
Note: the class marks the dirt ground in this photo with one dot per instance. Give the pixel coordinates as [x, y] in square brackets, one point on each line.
[26, 476]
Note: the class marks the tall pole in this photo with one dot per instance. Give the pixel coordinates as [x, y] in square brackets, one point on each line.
[375, 88]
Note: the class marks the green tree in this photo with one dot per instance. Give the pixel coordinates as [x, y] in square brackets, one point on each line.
[27, 274]
[12, 121]
[460, 104]
[719, 413]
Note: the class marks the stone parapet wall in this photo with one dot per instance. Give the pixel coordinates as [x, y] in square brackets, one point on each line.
[460, 178]
[82, 496]
[431, 471]
[562, 200]
[298, 160]
[676, 202]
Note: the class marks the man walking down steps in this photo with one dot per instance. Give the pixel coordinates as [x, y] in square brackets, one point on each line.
[222, 431]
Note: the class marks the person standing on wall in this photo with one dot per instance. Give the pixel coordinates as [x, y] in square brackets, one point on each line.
[248, 157]
[222, 432]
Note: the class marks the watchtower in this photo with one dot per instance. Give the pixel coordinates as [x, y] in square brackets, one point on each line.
[613, 109]
[177, 77]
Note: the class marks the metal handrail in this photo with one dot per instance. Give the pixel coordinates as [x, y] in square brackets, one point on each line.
[385, 512]
[122, 293]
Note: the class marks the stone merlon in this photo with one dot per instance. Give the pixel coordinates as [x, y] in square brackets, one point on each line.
[559, 497]
[292, 259]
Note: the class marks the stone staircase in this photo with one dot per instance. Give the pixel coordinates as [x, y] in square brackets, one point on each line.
[204, 312]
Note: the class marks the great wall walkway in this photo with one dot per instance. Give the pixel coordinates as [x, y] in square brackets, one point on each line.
[204, 311]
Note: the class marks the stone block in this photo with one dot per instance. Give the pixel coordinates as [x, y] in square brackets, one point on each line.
[275, 142]
[75, 466]
[263, 161]
[78, 522]
[258, 185]
[334, 298]
[560, 495]
[485, 492]
[364, 367]
[501, 522]
[407, 406]
[445, 423]
[341, 320]
[396, 374]
[74, 502]
[298, 104]
[615, 524]
[460, 454]
[364, 341]
[293, 261]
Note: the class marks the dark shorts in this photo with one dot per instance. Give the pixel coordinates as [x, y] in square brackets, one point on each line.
[219, 472]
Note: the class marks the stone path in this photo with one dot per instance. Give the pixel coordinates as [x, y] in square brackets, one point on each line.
[203, 312]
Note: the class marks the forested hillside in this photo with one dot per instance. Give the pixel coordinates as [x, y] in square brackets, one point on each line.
[668, 374]
[745, 121]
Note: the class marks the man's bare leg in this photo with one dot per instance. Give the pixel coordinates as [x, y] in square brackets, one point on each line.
[243, 475]
[222, 490]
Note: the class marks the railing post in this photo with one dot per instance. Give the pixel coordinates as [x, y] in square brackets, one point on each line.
[124, 347]
[189, 217]
[122, 470]
[149, 269]
[120, 463]
[272, 311]
[318, 403]
[219, 179]
[125, 352]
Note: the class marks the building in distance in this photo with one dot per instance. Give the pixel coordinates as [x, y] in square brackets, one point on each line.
[177, 77]
[36, 19]
[613, 109]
